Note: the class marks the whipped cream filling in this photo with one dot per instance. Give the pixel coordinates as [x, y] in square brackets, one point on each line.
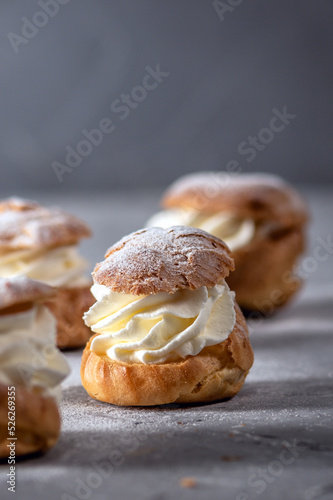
[160, 327]
[234, 231]
[60, 266]
[28, 354]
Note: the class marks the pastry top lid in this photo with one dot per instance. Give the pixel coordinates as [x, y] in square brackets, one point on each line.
[26, 224]
[156, 260]
[22, 290]
[258, 196]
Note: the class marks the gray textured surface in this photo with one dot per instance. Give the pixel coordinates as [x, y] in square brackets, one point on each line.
[273, 440]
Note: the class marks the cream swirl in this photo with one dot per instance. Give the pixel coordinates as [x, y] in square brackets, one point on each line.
[60, 266]
[234, 231]
[28, 355]
[160, 327]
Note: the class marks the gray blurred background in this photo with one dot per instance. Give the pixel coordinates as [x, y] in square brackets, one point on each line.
[64, 64]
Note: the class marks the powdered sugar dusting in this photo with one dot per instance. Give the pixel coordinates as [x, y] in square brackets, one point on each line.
[156, 259]
[255, 195]
[25, 224]
[224, 181]
[20, 289]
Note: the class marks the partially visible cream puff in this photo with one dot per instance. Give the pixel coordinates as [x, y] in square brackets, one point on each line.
[41, 243]
[260, 217]
[31, 368]
[167, 327]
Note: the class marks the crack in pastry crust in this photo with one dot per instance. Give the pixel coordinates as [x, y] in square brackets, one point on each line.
[26, 224]
[19, 290]
[156, 259]
[260, 197]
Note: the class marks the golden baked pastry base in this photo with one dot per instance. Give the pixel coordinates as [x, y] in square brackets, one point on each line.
[217, 372]
[263, 277]
[37, 422]
[68, 307]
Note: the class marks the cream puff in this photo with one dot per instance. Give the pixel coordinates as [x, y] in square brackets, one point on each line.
[41, 243]
[167, 327]
[31, 368]
[260, 217]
